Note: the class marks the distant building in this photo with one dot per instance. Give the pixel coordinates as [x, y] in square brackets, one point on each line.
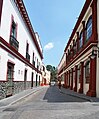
[20, 49]
[79, 65]
[46, 75]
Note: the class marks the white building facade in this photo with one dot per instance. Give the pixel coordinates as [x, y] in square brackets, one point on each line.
[46, 76]
[20, 49]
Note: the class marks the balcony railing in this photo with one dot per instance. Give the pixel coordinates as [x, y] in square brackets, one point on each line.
[14, 43]
[27, 56]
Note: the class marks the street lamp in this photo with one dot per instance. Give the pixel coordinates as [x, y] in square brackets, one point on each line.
[94, 52]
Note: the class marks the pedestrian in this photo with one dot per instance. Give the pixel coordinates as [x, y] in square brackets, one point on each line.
[59, 84]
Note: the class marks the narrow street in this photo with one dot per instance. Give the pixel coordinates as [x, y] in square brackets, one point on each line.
[50, 103]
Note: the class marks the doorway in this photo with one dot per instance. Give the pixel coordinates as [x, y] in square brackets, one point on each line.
[36, 79]
[10, 77]
[39, 80]
[32, 80]
[25, 79]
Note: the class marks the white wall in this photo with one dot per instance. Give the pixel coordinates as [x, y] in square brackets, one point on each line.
[23, 37]
[3, 65]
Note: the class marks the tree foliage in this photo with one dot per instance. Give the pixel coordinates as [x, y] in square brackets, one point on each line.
[53, 71]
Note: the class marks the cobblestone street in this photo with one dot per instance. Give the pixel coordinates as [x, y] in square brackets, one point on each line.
[50, 103]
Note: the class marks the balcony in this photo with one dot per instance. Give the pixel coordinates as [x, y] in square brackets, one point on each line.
[27, 56]
[14, 43]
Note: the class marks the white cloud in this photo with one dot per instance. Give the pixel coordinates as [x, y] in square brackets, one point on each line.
[48, 46]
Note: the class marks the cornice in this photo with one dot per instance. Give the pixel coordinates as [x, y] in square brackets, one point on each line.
[21, 7]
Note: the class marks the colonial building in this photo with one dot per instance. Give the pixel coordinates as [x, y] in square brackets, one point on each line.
[20, 49]
[80, 63]
[46, 75]
[60, 69]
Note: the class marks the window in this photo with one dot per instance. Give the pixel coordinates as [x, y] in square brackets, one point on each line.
[27, 54]
[71, 50]
[27, 47]
[68, 55]
[89, 28]
[33, 56]
[33, 59]
[13, 29]
[87, 72]
[81, 39]
[75, 47]
[13, 35]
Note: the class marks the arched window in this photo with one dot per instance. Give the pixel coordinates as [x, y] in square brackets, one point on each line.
[89, 28]
[81, 40]
[87, 72]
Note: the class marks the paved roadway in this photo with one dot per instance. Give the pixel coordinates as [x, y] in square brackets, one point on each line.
[50, 103]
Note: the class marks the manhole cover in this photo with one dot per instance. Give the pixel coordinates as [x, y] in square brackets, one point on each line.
[10, 109]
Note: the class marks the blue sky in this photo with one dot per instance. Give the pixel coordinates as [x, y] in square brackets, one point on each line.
[54, 21]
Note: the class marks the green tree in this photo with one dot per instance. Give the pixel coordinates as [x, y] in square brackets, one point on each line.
[49, 67]
[53, 71]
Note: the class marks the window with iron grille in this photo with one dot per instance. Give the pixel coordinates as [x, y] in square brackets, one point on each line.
[13, 36]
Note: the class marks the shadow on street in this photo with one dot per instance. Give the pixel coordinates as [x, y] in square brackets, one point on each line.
[53, 95]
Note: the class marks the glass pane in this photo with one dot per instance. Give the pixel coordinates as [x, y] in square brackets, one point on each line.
[89, 28]
[81, 39]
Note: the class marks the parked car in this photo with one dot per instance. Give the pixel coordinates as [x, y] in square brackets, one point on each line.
[52, 83]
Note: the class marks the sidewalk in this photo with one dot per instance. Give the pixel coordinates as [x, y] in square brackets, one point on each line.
[15, 98]
[75, 94]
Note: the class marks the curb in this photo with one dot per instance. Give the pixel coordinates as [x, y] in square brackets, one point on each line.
[78, 96]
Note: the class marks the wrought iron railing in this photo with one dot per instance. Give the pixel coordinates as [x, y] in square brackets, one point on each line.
[14, 43]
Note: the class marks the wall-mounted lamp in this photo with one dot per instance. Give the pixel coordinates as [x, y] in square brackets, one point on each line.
[95, 50]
